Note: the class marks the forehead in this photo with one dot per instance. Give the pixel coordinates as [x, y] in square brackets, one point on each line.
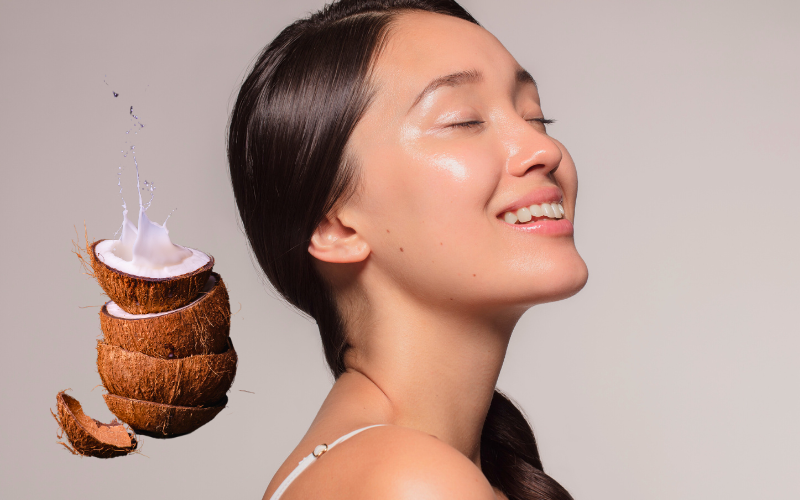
[422, 46]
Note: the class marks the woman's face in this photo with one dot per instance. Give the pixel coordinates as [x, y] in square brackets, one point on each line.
[441, 170]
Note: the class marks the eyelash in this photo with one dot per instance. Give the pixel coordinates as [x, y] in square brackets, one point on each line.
[471, 124]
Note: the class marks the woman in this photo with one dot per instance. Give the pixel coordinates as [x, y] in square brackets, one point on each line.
[394, 177]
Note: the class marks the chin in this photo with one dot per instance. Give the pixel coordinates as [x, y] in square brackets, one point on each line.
[559, 280]
[572, 282]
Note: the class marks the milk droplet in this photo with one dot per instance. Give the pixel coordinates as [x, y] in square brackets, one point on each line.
[168, 216]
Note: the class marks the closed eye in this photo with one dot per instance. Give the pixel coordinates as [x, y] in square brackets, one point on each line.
[474, 123]
[469, 124]
[544, 121]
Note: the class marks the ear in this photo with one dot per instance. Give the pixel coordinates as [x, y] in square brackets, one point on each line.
[335, 242]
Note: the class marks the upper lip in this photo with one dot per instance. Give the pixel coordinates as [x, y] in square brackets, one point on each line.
[545, 194]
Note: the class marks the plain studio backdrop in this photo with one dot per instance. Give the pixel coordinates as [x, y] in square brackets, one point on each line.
[672, 375]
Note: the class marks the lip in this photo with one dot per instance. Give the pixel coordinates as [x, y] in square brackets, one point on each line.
[552, 227]
[549, 194]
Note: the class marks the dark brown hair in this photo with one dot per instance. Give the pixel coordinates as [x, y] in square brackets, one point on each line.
[287, 137]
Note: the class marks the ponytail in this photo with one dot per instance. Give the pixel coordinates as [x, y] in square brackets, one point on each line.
[510, 458]
[286, 151]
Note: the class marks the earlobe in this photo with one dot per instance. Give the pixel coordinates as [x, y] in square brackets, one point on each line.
[337, 243]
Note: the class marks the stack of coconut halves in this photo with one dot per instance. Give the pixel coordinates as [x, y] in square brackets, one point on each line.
[165, 359]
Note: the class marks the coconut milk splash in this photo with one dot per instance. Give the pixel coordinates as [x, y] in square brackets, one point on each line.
[145, 249]
[147, 244]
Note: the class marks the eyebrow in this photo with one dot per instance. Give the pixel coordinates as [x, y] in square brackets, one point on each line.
[463, 78]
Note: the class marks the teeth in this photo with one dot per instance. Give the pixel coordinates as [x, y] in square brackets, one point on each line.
[526, 214]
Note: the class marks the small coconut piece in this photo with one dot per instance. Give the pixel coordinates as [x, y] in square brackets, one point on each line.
[201, 327]
[144, 295]
[160, 420]
[193, 381]
[89, 437]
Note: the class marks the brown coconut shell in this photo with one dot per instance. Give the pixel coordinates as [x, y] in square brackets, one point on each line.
[201, 327]
[89, 437]
[160, 420]
[193, 381]
[140, 295]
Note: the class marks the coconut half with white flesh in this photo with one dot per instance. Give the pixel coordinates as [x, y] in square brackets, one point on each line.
[89, 437]
[143, 272]
[200, 327]
[193, 381]
[160, 420]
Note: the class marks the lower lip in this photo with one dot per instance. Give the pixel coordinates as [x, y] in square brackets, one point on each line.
[549, 227]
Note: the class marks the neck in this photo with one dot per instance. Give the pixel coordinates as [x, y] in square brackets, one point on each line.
[434, 370]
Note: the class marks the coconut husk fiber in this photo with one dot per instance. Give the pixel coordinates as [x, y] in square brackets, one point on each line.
[193, 381]
[89, 437]
[140, 295]
[201, 327]
[159, 420]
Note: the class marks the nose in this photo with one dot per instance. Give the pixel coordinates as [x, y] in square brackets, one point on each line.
[530, 150]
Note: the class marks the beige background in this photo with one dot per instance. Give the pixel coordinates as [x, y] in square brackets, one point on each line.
[673, 375]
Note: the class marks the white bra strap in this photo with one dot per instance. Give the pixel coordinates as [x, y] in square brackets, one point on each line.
[348, 436]
[311, 458]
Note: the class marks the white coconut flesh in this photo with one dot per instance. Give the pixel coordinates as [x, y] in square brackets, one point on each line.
[114, 310]
[148, 252]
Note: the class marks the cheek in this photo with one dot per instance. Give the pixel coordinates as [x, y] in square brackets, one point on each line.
[454, 186]
[410, 183]
[425, 212]
[448, 169]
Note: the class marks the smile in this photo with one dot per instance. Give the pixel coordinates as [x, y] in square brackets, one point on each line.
[535, 213]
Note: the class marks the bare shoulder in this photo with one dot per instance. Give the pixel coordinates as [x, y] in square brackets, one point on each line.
[392, 463]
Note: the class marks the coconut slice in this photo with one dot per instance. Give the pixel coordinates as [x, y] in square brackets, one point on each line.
[89, 437]
[193, 381]
[143, 294]
[201, 327]
[159, 420]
